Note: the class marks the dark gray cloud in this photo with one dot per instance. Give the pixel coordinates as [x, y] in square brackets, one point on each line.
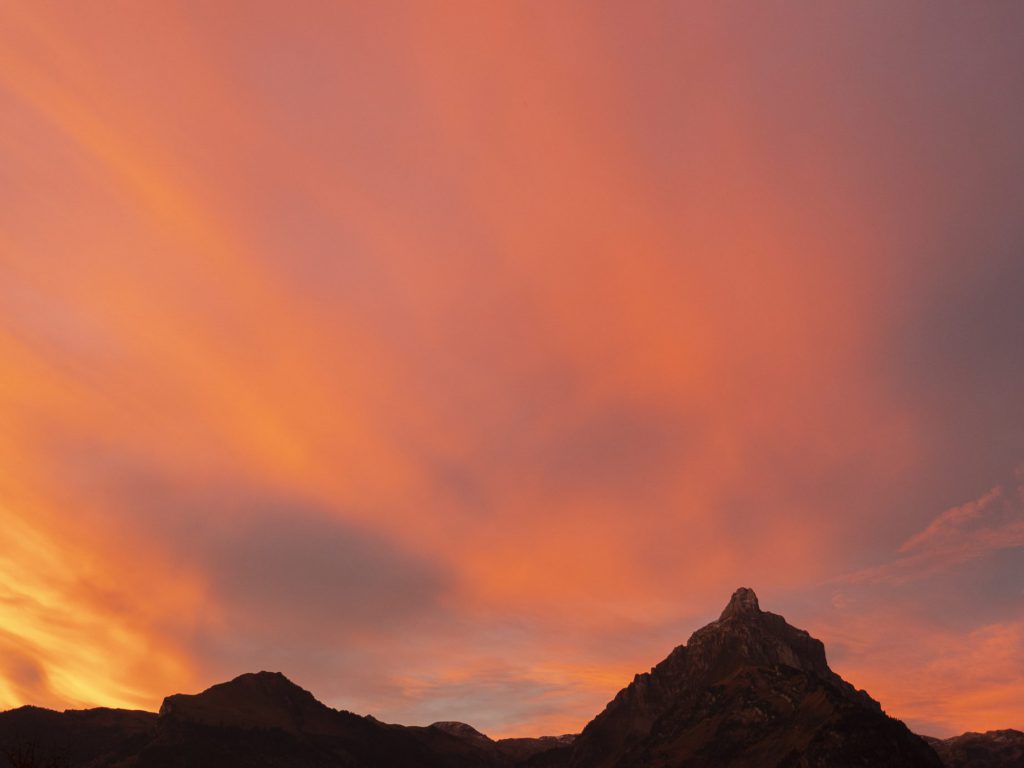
[309, 572]
[290, 585]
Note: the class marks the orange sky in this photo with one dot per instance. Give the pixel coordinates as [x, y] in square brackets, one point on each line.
[458, 360]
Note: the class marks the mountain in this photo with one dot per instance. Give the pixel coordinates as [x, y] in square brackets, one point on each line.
[266, 700]
[747, 690]
[508, 751]
[992, 749]
[264, 719]
[259, 719]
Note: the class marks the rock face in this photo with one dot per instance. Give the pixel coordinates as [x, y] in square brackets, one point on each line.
[746, 690]
[992, 749]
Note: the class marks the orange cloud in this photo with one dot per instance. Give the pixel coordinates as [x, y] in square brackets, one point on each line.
[509, 339]
[941, 681]
[991, 523]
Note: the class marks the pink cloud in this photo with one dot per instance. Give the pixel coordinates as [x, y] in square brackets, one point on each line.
[993, 522]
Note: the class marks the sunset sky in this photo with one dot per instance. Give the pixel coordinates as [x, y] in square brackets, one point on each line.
[458, 360]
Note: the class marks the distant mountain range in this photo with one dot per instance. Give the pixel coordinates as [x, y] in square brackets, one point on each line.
[746, 691]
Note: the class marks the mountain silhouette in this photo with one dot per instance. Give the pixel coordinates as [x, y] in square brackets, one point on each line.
[746, 690]
[262, 700]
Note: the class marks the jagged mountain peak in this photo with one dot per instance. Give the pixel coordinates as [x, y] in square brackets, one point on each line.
[742, 603]
[746, 690]
[744, 635]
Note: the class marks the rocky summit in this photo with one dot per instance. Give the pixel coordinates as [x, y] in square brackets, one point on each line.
[747, 691]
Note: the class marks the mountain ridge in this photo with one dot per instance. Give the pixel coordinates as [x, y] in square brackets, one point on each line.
[746, 690]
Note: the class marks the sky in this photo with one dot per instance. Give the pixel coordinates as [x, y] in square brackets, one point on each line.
[459, 360]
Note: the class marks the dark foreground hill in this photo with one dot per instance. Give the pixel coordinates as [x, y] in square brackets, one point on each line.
[256, 720]
[746, 690]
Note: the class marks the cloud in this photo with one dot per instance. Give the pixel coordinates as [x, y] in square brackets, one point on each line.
[77, 631]
[291, 566]
[307, 592]
[942, 681]
[492, 338]
[500, 697]
[993, 522]
[937, 633]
